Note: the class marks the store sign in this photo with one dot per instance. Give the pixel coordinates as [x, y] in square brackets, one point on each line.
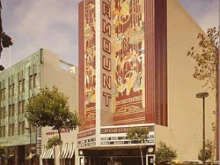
[39, 140]
[56, 132]
[86, 134]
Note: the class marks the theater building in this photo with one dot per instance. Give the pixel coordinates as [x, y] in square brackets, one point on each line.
[134, 72]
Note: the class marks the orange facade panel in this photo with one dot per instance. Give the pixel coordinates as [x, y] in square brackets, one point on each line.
[132, 58]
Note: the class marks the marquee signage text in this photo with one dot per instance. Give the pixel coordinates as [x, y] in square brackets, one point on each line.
[106, 52]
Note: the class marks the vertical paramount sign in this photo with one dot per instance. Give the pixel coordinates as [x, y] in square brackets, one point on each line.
[114, 63]
[106, 67]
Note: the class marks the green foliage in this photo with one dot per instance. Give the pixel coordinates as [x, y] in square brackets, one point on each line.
[164, 154]
[206, 57]
[50, 108]
[6, 40]
[207, 68]
[138, 133]
[53, 142]
[208, 151]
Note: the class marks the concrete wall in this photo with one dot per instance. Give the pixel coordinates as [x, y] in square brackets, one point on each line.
[184, 131]
[53, 74]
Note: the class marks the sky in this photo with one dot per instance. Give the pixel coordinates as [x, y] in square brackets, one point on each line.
[53, 25]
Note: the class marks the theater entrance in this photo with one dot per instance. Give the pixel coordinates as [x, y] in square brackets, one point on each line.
[112, 157]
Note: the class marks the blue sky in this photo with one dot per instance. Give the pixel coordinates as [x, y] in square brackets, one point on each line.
[53, 25]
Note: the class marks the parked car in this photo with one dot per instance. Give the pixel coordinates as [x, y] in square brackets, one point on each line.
[215, 162]
[192, 162]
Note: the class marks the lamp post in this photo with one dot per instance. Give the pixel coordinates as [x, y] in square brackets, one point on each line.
[203, 95]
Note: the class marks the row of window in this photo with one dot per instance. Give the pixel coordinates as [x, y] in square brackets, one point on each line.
[21, 87]
[11, 129]
[11, 109]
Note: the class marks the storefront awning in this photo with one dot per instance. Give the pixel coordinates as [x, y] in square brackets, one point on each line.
[47, 153]
[67, 151]
[43, 153]
[71, 151]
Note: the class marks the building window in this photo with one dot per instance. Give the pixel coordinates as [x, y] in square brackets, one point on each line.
[2, 90]
[23, 85]
[2, 113]
[21, 82]
[31, 82]
[2, 94]
[19, 86]
[21, 106]
[11, 90]
[2, 131]
[21, 128]
[34, 80]
[11, 110]
[11, 86]
[11, 129]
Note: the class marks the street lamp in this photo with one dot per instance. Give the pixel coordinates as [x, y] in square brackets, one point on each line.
[203, 95]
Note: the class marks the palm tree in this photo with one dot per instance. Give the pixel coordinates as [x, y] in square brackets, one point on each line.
[52, 143]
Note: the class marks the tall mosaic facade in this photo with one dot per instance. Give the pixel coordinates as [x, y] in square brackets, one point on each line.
[118, 70]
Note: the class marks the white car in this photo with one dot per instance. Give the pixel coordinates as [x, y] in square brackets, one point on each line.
[192, 162]
[215, 162]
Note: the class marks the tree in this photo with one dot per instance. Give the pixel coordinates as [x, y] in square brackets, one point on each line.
[206, 69]
[50, 108]
[52, 143]
[5, 40]
[206, 57]
[208, 151]
[164, 154]
[138, 134]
